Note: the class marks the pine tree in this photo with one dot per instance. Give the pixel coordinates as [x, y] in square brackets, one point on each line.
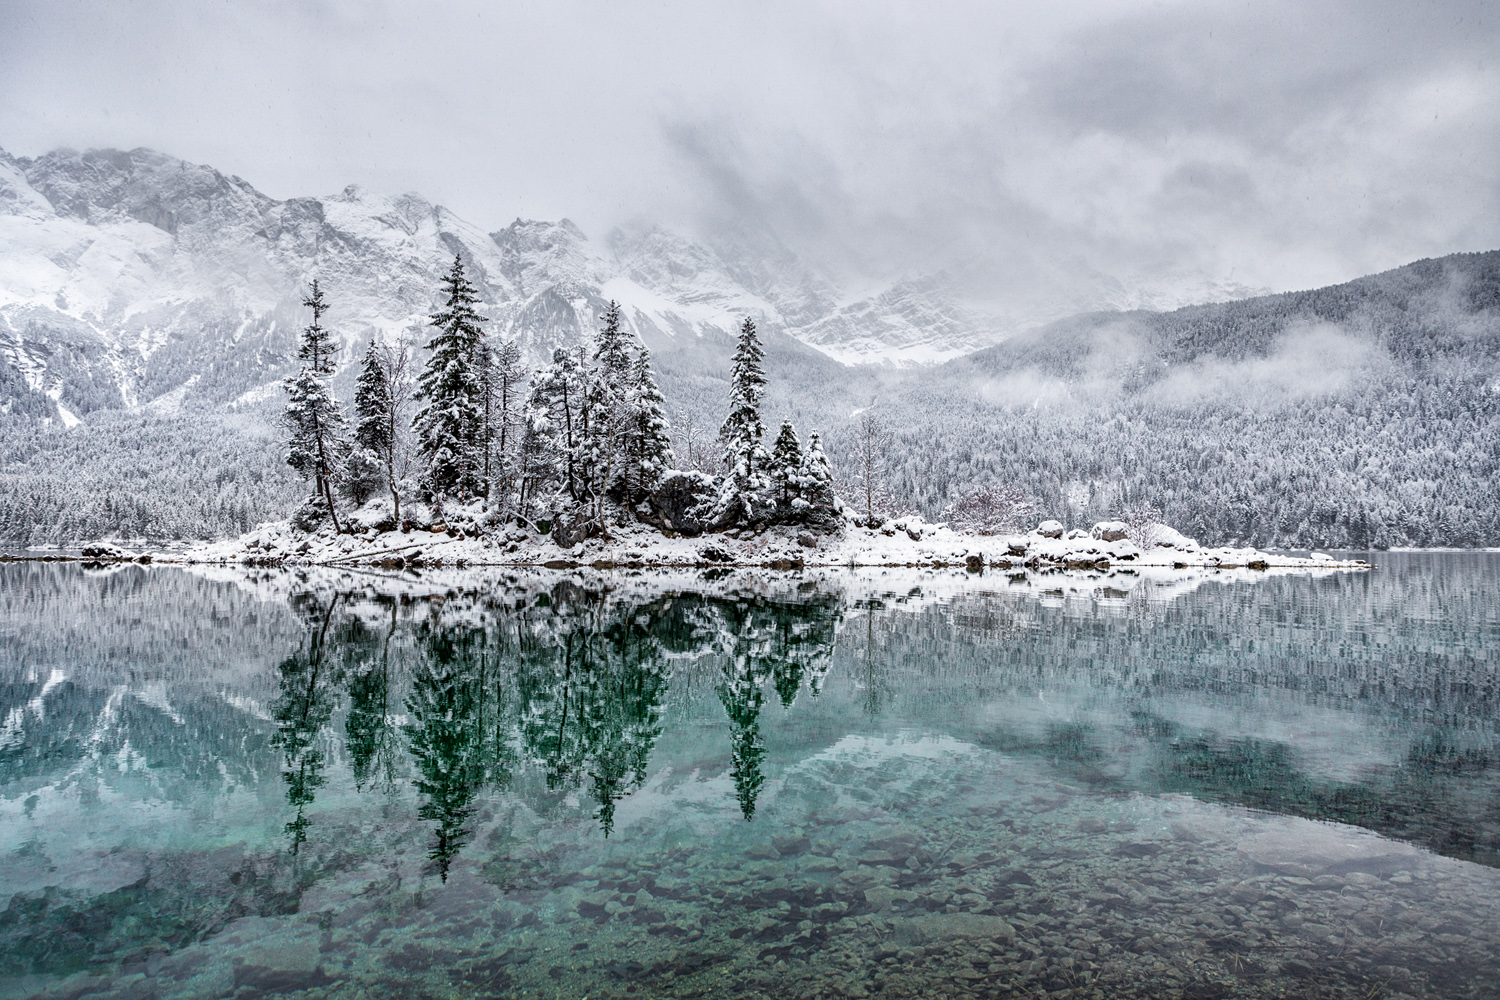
[313, 418]
[786, 467]
[369, 461]
[608, 417]
[451, 427]
[742, 432]
[650, 437]
[612, 354]
[817, 477]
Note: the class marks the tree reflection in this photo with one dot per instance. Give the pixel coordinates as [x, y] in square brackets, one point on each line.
[367, 729]
[592, 703]
[782, 643]
[453, 704]
[571, 683]
[304, 704]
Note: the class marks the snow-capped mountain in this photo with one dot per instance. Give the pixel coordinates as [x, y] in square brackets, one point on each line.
[133, 277]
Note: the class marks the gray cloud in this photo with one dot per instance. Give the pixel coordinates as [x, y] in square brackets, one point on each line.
[1042, 156]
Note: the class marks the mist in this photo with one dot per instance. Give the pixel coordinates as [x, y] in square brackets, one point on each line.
[1040, 161]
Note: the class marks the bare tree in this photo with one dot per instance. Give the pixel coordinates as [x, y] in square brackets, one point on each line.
[505, 398]
[692, 450]
[396, 363]
[1143, 524]
[870, 444]
[989, 510]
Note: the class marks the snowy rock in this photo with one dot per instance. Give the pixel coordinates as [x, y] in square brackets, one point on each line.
[1171, 538]
[684, 502]
[103, 552]
[1074, 534]
[1050, 529]
[1111, 531]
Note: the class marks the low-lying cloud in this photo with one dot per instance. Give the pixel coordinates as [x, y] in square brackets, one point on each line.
[1043, 158]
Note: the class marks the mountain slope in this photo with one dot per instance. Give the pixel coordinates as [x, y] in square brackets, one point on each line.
[123, 275]
[1362, 414]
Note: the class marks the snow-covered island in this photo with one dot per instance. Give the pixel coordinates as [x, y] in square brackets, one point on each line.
[461, 541]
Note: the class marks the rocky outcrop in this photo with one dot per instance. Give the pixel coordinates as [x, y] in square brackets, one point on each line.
[685, 502]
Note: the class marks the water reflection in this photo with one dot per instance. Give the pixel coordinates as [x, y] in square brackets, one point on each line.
[574, 685]
[969, 791]
[307, 688]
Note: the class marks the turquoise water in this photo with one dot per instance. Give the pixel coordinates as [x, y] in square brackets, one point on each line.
[547, 786]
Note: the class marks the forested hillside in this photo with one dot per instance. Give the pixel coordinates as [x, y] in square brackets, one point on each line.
[1365, 414]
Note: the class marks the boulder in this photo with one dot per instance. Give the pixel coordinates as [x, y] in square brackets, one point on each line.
[1074, 534]
[685, 502]
[1050, 529]
[102, 552]
[1111, 531]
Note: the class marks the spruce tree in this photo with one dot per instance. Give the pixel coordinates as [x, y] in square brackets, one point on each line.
[313, 418]
[450, 428]
[555, 425]
[817, 477]
[608, 418]
[650, 438]
[786, 467]
[369, 461]
[742, 432]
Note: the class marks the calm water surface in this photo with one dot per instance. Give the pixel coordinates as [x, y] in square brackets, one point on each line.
[553, 787]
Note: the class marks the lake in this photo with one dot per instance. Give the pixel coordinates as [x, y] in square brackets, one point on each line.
[521, 784]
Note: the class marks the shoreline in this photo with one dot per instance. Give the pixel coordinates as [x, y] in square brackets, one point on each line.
[908, 543]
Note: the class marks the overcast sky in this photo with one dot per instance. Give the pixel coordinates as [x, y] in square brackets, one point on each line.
[1277, 145]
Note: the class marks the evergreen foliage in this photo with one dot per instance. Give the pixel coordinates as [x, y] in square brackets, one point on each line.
[556, 421]
[742, 431]
[609, 411]
[368, 463]
[313, 419]
[649, 435]
[451, 427]
[786, 467]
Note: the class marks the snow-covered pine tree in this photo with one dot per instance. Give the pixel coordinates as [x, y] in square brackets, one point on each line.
[650, 434]
[817, 479]
[742, 431]
[786, 468]
[608, 418]
[450, 428]
[368, 465]
[313, 419]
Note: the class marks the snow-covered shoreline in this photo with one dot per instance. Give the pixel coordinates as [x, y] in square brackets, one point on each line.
[903, 542]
